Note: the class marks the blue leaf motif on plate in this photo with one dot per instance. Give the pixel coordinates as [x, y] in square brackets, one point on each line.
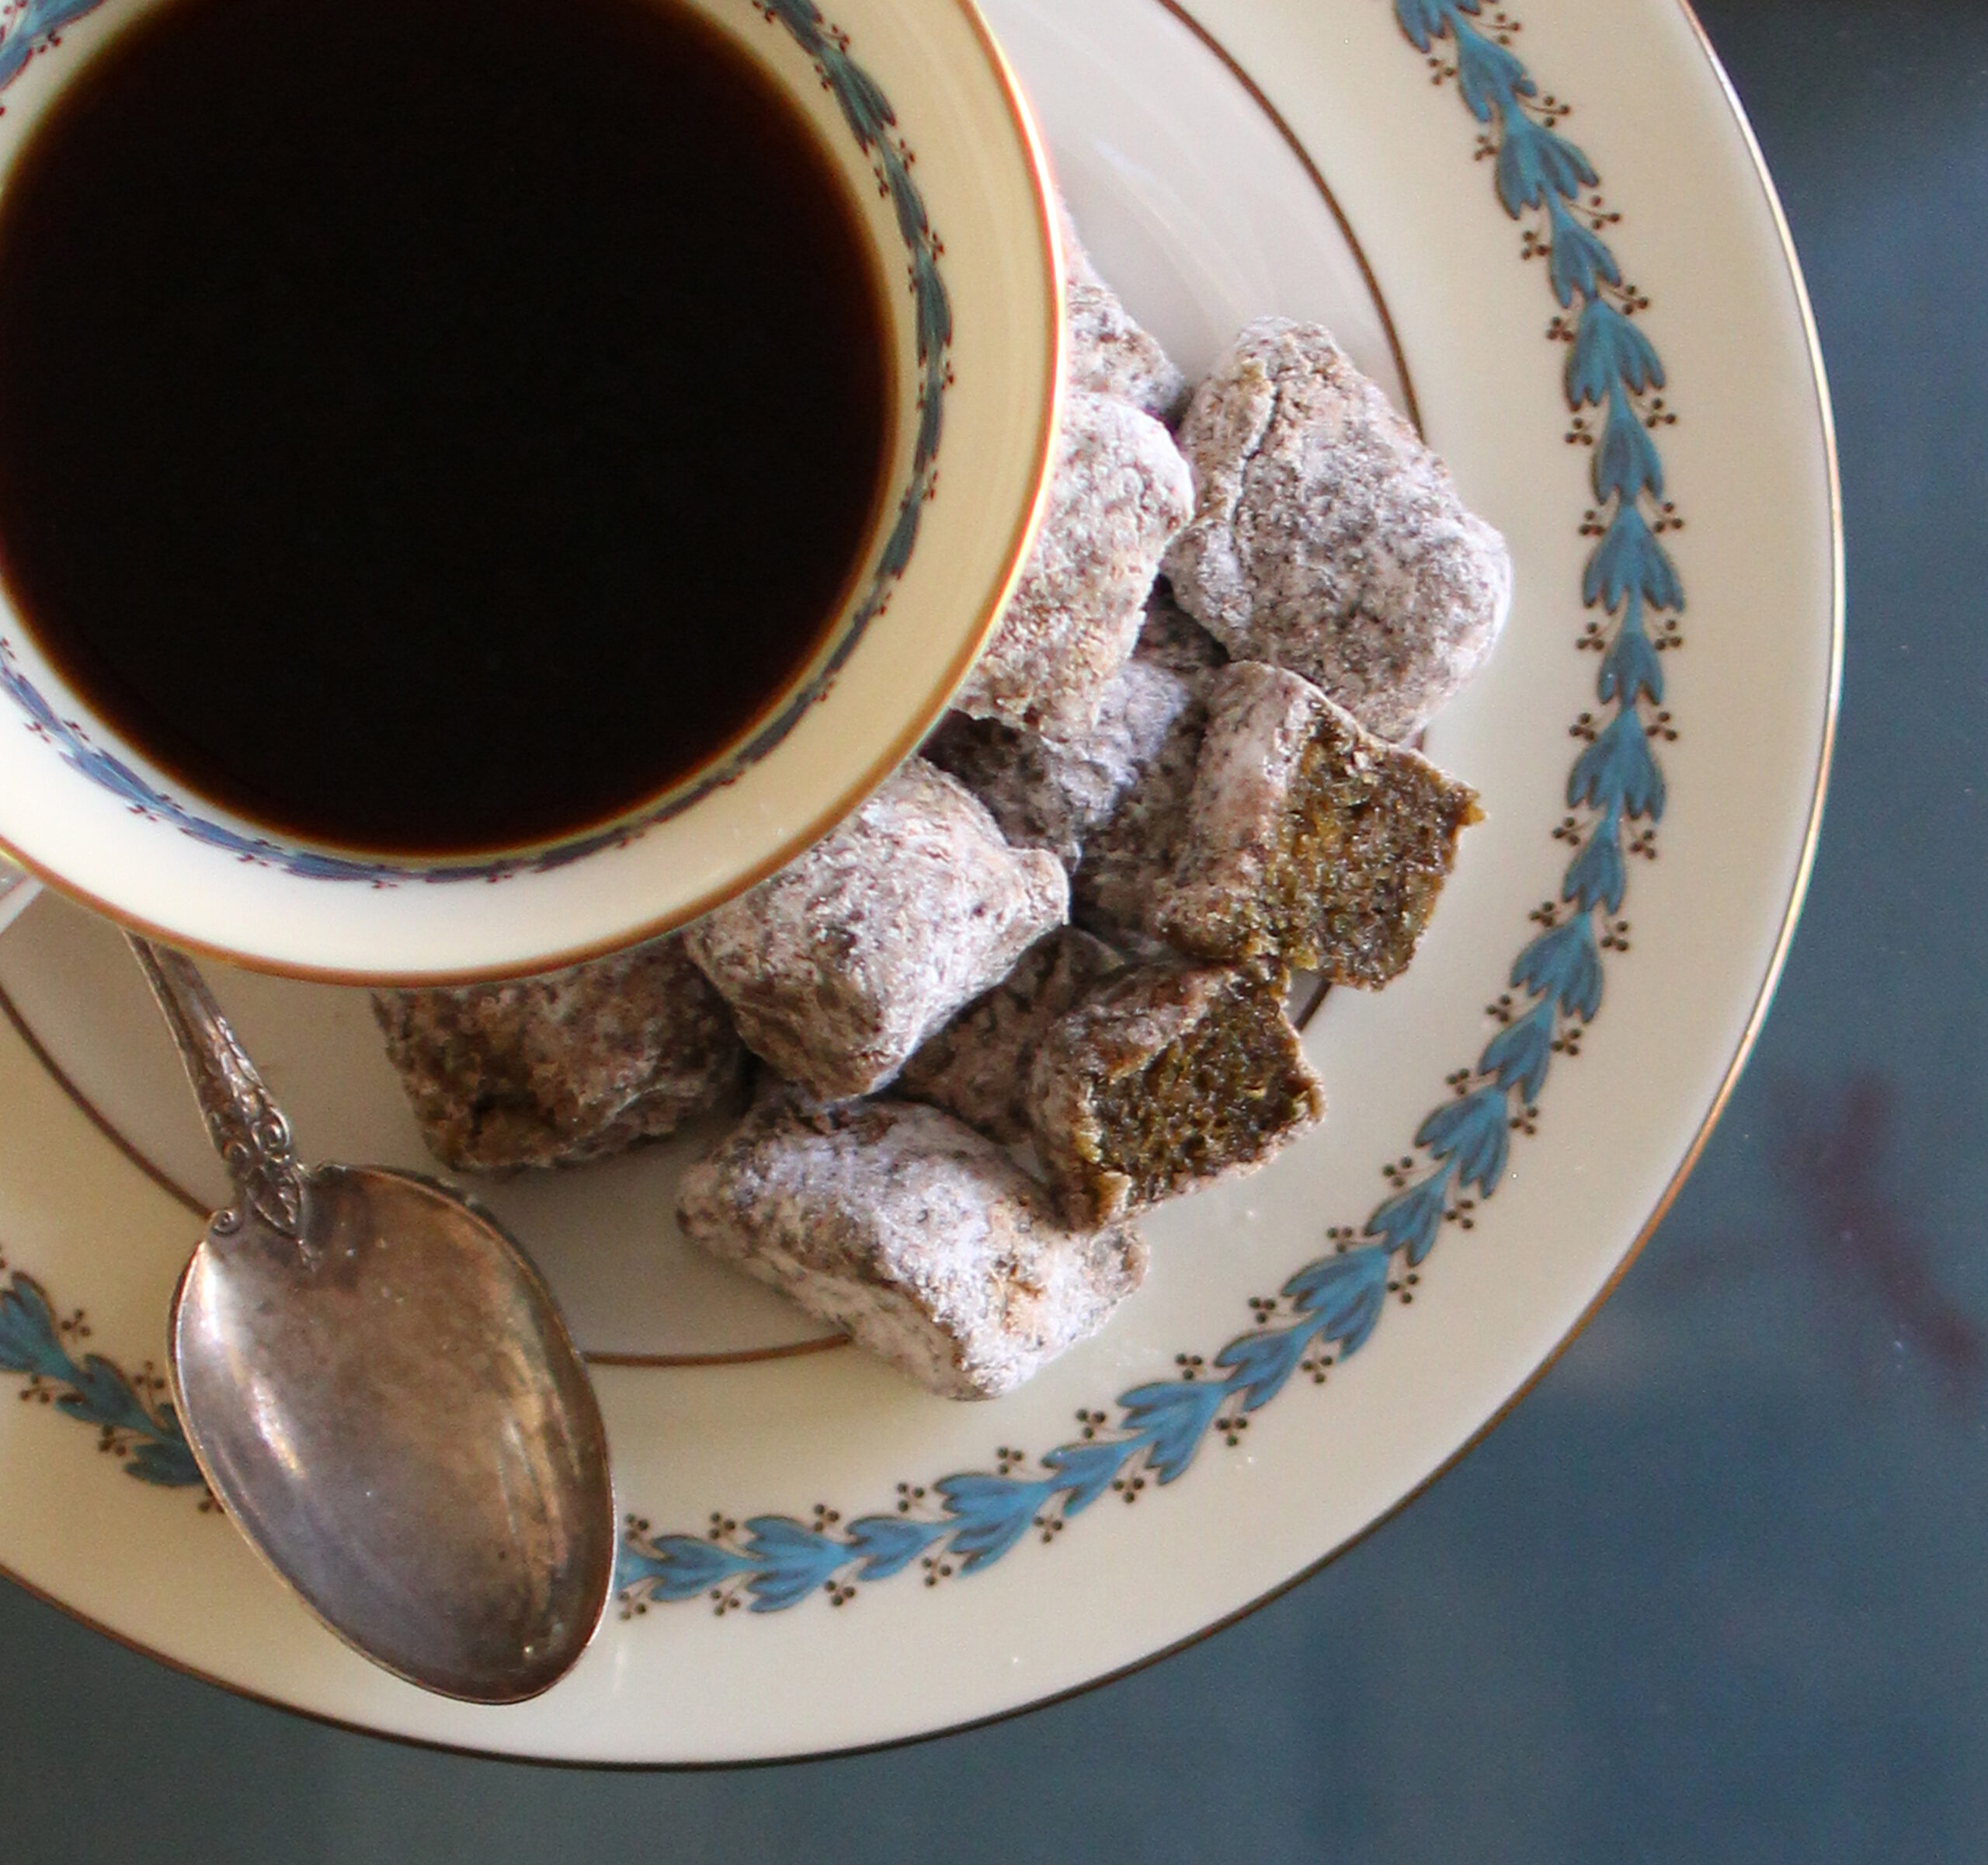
[27, 1330]
[678, 1567]
[1520, 1055]
[789, 1561]
[162, 1464]
[1425, 21]
[1087, 1470]
[1579, 263]
[140, 1429]
[885, 1545]
[1618, 773]
[1630, 668]
[993, 1514]
[100, 1394]
[1344, 1293]
[1174, 1417]
[1472, 1134]
[1259, 1364]
[1629, 558]
[1609, 349]
[1626, 463]
[1490, 75]
[1563, 964]
[1536, 166]
[1410, 1219]
[1598, 876]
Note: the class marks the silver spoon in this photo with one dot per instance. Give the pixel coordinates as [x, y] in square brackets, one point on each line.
[378, 1388]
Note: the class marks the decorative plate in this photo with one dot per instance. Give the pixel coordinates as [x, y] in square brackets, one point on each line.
[1547, 232]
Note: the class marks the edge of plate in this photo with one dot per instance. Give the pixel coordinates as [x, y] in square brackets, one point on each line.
[1762, 1003]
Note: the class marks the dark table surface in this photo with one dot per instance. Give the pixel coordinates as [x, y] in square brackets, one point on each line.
[1716, 1590]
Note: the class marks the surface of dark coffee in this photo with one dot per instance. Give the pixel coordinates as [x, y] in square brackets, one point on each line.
[438, 426]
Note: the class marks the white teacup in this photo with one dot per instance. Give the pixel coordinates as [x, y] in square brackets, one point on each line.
[915, 101]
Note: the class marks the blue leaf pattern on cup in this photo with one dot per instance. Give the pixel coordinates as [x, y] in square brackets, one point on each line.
[873, 122]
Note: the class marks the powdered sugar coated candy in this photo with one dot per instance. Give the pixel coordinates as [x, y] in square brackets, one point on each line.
[568, 1067]
[1309, 840]
[922, 1239]
[838, 967]
[1126, 856]
[1108, 804]
[977, 1067]
[1052, 793]
[1044, 793]
[1170, 637]
[1327, 538]
[1165, 1079]
[1120, 493]
[1110, 354]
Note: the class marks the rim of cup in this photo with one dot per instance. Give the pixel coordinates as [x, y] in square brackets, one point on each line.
[929, 123]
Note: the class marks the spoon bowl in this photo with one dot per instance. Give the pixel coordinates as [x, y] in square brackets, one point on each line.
[393, 1416]
[378, 1387]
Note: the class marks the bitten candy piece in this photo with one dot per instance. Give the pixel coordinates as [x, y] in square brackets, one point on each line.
[1120, 492]
[1309, 840]
[1166, 1079]
[568, 1067]
[838, 967]
[922, 1239]
[1110, 354]
[978, 1066]
[1327, 538]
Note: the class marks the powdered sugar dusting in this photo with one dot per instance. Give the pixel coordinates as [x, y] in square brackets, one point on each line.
[922, 1239]
[1327, 538]
[838, 966]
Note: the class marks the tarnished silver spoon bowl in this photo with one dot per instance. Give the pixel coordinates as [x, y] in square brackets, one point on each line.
[380, 1391]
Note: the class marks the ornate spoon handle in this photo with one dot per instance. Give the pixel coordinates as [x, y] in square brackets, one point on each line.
[246, 1126]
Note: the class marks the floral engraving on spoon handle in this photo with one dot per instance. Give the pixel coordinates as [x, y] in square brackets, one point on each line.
[246, 1127]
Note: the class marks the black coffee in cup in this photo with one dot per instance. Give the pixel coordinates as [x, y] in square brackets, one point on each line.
[436, 427]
